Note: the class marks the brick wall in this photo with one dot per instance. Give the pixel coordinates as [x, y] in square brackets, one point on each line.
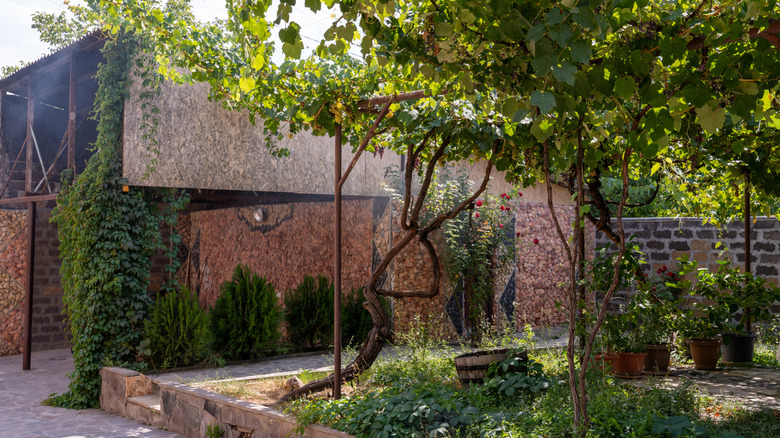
[664, 240]
[49, 328]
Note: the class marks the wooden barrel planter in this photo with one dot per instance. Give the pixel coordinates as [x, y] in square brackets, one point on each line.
[473, 367]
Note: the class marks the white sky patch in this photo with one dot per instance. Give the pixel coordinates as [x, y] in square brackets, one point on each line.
[19, 42]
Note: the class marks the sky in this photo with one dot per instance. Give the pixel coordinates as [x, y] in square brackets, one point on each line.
[19, 41]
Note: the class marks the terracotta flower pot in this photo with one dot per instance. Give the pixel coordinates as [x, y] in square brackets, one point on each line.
[705, 353]
[657, 359]
[606, 361]
[631, 364]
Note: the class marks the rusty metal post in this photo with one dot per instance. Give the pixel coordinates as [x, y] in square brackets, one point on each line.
[337, 269]
[29, 270]
[748, 324]
[72, 116]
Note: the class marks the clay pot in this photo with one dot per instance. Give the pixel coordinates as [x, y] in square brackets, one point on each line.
[657, 359]
[705, 353]
[631, 364]
[606, 361]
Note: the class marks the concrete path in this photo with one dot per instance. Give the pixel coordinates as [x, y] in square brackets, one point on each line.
[21, 394]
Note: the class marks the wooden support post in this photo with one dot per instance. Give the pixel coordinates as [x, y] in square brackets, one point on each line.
[337, 269]
[28, 165]
[29, 270]
[72, 90]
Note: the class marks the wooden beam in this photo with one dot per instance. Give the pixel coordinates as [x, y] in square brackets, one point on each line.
[29, 271]
[26, 199]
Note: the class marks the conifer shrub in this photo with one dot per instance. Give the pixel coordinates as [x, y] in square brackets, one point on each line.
[177, 330]
[309, 312]
[245, 319]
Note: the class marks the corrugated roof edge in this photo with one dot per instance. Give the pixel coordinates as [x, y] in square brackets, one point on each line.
[85, 41]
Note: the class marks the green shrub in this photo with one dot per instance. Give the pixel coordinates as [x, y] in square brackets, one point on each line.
[355, 320]
[177, 330]
[309, 312]
[245, 319]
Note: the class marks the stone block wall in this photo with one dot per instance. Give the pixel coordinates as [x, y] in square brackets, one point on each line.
[664, 240]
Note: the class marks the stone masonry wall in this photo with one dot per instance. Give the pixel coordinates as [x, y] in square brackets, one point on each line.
[663, 240]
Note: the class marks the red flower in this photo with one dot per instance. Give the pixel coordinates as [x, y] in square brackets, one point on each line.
[479, 203]
[503, 208]
[536, 241]
[477, 215]
[517, 234]
[501, 226]
[519, 194]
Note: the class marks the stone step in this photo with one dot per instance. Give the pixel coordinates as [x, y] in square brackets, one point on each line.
[151, 402]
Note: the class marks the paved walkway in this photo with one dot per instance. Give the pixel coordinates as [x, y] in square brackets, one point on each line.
[21, 413]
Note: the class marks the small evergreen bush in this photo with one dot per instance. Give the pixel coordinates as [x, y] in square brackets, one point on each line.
[309, 312]
[245, 319]
[355, 320]
[177, 330]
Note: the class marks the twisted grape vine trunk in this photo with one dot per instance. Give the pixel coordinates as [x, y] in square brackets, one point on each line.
[411, 230]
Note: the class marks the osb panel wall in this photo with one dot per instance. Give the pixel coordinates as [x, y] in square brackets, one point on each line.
[540, 275]
[13, 230]
[542, 268]
[291, 241]
[202, 145]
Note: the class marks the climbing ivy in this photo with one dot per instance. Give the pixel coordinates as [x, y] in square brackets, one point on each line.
[108, 233]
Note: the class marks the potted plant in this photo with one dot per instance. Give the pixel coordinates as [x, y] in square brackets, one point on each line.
[658, 304]
[704, 318]
[633, 338]
[732, 301]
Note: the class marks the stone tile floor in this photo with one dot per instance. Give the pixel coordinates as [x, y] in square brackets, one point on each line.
[21, 413]
[752, 387]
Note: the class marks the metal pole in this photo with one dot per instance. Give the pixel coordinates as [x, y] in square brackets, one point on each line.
[28, 286]
[72, 90]
[337, 270]
[748, 325]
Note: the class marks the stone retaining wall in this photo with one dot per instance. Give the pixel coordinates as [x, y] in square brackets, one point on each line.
[191, 411]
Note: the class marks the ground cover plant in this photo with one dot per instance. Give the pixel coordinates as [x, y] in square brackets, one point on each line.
[402, 398]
